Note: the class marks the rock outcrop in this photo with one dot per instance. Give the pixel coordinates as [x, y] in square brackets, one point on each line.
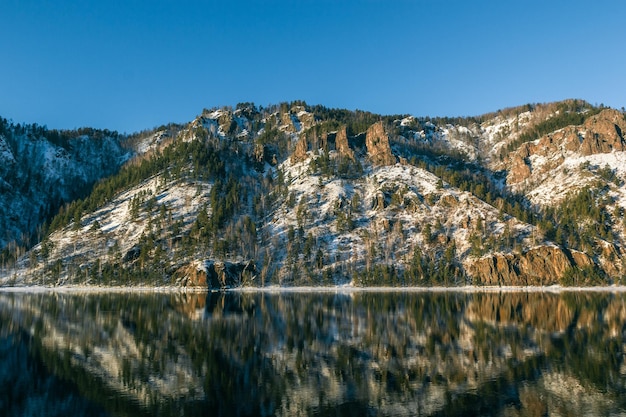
[543, 155]
[191, 276]
[377, 144]
[519, 171]
[610, 256]
[604, 133]
[214, 274]
[300, 152]
[307, 120]
[222, 275]
[544, 265]
[265, 153]
[341, 144]
[323, 142]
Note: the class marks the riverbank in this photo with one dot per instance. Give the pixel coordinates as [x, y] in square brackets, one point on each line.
[304, 289]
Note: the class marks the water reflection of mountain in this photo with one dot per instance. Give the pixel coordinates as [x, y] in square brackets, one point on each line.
[507, 354]
[28, 389]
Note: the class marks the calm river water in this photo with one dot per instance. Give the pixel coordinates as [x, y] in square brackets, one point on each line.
[319, 354]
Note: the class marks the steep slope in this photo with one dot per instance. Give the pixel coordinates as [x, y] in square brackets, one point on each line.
[574, 177]
[300, 195]
[541, 167]
[41, 169]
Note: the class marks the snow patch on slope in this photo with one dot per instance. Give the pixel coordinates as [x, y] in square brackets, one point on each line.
[394, 205]
[574, 173]
[501, 130]
[112, 231]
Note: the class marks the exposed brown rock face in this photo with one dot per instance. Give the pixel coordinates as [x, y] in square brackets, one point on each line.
[519, 171]
[214, 274]
[448, 201]
[341, 144]
[323, 142]
[610, 256]
[300, 152]
[310, 141]
[191, 276]
[552, 148]
[287, 122]
[604, 133]
[377, 144]
[227, 123]
[496, 269]
[379, 202]
[543, 265]
[307, 120]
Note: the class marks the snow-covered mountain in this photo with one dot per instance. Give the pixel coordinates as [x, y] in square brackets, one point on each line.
[294, 194]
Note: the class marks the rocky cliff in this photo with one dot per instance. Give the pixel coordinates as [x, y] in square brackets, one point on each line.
[300, 151]
[600, 134]
[378, 148]
[603, 133]
[341, 144]
[544, 265]
[329, 141]
[215, 275]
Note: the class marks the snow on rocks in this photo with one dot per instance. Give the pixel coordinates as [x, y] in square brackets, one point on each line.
[114, 227]
[391, 204]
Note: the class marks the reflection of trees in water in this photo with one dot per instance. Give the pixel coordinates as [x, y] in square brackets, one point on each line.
[581, 336]
[29, 389]
[310, 353]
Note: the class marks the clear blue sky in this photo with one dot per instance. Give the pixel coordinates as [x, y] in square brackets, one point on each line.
[130, 65]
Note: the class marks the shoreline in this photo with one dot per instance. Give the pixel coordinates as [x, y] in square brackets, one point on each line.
[345, 289]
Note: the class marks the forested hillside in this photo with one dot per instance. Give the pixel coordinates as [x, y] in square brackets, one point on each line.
[293, 194]
[41, 170]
